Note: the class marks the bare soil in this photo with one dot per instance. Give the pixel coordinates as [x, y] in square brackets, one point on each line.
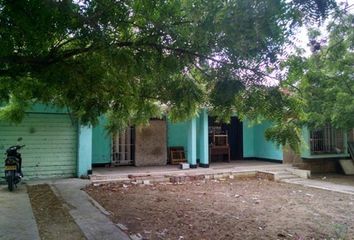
[53, 219]
[229, 209]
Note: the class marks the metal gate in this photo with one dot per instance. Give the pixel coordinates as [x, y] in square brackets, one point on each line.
[123, 147]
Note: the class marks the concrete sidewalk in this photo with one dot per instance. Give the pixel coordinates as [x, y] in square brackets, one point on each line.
[321, 185]
[93, 223]
[17, 221]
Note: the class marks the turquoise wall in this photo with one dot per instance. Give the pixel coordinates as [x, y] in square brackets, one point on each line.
[248, 139]
[203, 138]
[255, 145]
[84, 161]
[177, 134]
[101, 143]
[264, 148]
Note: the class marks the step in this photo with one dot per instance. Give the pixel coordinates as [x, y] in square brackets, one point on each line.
[347, 166]
[289, 175]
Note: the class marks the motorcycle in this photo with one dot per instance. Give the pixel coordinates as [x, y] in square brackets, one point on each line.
[13, 164]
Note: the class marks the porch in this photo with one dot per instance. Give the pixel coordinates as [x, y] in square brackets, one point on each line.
[160, 173]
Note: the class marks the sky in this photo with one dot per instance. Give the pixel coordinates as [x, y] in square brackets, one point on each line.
[301, 38]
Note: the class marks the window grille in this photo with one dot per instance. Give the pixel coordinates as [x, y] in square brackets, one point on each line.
[327, 140]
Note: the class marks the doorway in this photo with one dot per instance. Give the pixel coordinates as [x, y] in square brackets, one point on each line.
[123, 148]
[234, 131]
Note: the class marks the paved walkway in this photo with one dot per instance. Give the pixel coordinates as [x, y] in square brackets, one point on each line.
[322, 185]
[93, 223]
[16, 217]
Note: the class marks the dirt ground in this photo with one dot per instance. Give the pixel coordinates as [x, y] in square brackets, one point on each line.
[230, 209]
[53, 219]
[335, 178]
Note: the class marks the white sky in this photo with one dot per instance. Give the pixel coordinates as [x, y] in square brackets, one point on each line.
[301, 38]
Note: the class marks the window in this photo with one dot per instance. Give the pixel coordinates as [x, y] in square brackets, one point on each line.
[327, 140]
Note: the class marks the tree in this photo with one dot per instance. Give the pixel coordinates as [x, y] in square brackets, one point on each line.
[133, 60]
[325, 80]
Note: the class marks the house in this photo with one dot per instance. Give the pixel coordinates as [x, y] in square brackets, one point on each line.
[58, 146]
[148, 145]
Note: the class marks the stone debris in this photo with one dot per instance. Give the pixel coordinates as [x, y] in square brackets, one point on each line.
[122, 226]
[162, 233]
[136, 237]
[146, 182]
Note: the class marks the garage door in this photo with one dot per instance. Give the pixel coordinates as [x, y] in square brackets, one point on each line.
[51, 145]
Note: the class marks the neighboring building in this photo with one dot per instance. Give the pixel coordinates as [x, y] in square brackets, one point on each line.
[321, 150]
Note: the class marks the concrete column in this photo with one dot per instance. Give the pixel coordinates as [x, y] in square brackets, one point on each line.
[192, 143]
[84, 159]
[203, 139]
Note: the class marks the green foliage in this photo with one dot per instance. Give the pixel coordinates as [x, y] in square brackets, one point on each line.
[276, 105]
[325, 80]
[14, 111]
[133, 60]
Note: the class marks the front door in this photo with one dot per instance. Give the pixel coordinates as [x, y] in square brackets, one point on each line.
[123, 148]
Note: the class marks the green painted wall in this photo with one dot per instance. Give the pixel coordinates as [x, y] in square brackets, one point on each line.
[101, 143]
[198, 128]
[177, 134]
[203, 138]
[264, 148]
[255, 145]
[51, 144]
[248, 139]
[84, 160]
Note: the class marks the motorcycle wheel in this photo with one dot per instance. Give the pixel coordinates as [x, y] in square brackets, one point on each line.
[10, 181]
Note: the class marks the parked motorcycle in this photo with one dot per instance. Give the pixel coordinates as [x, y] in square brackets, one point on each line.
[13, 164]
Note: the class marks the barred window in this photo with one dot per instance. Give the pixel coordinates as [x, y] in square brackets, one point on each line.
[327, 140]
